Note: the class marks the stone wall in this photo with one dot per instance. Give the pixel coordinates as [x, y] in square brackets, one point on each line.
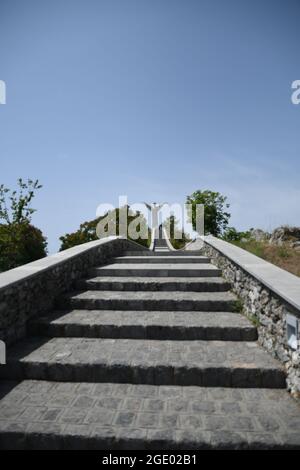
[257, 284]
[32, 289]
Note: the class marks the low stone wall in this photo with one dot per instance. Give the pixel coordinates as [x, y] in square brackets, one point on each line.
[267, 293]
[32, 289]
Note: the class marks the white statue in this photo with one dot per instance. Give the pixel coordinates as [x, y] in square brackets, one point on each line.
[154, 208]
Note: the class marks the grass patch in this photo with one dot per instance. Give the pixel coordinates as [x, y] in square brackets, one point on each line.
[254, 319]
[283, 256]
[238, 306]
[179, 243]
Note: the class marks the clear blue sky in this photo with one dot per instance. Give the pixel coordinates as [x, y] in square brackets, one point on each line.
[153, 99]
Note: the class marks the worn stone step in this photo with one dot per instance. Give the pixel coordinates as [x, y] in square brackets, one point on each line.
[157, 270]
[161, 242]
[203, 363]
[223, 326]
[163, 253]
[128, 300]
[202, 284]
[54, 415]
[161, 259]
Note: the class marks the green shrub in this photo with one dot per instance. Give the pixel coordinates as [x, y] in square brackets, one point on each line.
[232, 235]
[20, 243]
[215, 205]
[87, 230]
[284, 252]
[171, 224]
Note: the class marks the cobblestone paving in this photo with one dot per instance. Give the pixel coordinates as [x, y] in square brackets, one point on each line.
[184, 267]
[84, 384]
[162, 259]
[177, 296]
[223, 363]
[157, 270]
[147, 324]
[122, 300]
[146, 416]
[207, 284]
[152, 352]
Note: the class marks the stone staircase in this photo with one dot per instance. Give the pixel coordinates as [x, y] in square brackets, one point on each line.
[148, 353]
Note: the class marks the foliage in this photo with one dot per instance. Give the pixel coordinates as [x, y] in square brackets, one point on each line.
[216, 216]
[255, 320]
[19, 210]
[87, 230]
[171, 226]
[20, 243]
[85, 233]
[232, 235]
[284, 252]
[238, 305]
[255, 247]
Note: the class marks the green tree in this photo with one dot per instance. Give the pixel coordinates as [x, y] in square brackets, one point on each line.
[20, 241]
[20, 244]
[18, 210]
[233, 235]
[171, 225]
[216, 217]
[87, 230]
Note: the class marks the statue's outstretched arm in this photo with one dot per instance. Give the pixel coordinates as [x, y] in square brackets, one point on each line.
[148, 206]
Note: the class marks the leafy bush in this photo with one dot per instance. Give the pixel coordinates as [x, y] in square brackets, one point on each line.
[87, 230]
[171, 225]
[85, 233]
[216, 216]
[232, 235]
[20, 241]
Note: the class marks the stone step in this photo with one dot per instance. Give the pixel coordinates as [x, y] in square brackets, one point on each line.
[54, 415]
[161, 259]
[223, 326]
[157, 270]
[161, 243]
[127, 300]
[163, 253]
[202, 284]
[202, 363]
